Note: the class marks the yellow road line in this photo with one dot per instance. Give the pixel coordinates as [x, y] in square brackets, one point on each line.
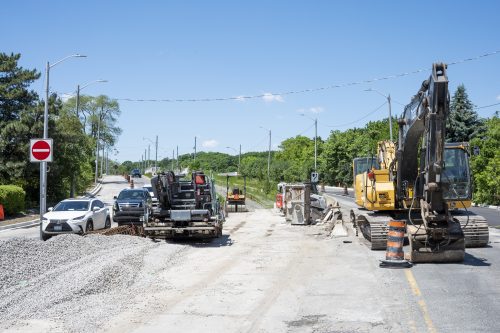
[423, 307]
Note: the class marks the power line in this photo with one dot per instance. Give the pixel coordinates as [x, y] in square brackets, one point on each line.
[486, 106]
[335, 86]
[355, 121]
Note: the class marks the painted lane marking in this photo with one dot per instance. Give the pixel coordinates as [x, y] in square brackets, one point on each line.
[421, 303]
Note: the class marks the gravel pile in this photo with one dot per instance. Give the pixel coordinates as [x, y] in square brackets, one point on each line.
[74, 283]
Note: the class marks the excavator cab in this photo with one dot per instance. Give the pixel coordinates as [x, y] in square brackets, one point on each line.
[456, 175]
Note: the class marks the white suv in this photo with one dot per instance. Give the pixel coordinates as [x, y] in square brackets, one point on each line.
[75, 216]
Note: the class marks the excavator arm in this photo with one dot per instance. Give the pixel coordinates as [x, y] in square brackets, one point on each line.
[423, 124]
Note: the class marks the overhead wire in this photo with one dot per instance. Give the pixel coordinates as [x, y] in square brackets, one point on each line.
[291, 92]
[355, 121]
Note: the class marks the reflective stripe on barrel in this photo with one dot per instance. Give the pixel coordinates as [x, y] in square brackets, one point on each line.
[395, 240]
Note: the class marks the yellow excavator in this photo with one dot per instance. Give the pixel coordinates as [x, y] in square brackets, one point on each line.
[421, 180]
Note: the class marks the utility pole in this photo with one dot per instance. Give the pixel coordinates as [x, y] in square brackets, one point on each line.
[145, 161]
[194, 148]
[156, 154]
[97, 145]
[177, 160]
[102, 159]
[149, 155]
[315, 143]
[173, 151]
[269, 158]
[390, 116]
[239, 160]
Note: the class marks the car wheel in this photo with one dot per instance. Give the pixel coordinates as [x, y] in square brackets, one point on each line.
[45, 236]
[89, 226]
[107, 224]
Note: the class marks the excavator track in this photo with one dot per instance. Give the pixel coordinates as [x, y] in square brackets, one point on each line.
[374, 228]
[474, 227]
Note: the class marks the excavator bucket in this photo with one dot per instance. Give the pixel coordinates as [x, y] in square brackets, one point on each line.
[424, 250]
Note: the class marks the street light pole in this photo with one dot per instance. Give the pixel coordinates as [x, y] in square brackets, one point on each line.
[239, 156]
[43, 165]
[315, 141]
[268, 157]
[388, 97]
[78, 88]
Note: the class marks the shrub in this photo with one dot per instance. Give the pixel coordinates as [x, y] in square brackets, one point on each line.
[12, 198]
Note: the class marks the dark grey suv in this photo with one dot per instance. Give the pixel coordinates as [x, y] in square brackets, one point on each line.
[132, 206]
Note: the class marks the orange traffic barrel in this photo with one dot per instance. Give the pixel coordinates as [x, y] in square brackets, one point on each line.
[2, 216]
[394, 256]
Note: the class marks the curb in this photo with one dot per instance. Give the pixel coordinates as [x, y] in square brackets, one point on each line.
[20, 225]
[95, 190]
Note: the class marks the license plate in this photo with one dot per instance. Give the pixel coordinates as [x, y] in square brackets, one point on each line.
[58, 228]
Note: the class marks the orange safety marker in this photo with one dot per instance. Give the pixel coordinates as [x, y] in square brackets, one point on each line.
[2, 216]
[394, 256]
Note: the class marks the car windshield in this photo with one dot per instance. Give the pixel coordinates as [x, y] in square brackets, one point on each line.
[72, 205]
[149, 188]
[139, 194]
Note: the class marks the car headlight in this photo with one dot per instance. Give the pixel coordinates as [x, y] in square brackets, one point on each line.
[45, 220]
[78, 218]
[115, 206]
[140, 204]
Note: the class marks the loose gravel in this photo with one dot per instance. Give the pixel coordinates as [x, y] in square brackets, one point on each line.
[72, 283]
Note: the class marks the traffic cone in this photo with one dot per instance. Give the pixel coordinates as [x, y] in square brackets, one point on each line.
[131, 183]
[2, 216]
[395, 256]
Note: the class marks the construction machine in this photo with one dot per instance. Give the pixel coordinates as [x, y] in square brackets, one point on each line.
[235, 198]
[421, 180]
[187, 207]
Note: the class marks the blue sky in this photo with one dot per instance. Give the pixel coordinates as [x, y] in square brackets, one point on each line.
[222, 49]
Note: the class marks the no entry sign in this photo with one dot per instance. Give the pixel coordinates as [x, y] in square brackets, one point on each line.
[41, 150]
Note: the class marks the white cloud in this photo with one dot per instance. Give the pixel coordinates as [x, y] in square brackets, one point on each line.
[498, 97]
[316, 110]
[66, 97]
[240, 98]
[209, 143]
[268, 97]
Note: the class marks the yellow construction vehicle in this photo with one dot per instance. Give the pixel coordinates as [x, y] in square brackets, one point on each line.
[423, 181]
[235, 198]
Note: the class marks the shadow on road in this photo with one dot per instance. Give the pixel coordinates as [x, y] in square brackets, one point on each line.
[471, 260]
[224, 240]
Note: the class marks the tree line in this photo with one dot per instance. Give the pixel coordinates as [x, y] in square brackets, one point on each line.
[294, 160]
[74, 134]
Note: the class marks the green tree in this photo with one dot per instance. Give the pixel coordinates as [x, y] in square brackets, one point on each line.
[14, 88]
[486, 165]
[16, 102]
[463, 123]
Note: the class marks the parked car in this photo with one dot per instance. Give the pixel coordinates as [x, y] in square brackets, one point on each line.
[154, 199]
[132, 206]
[75, 216]
[136, 173]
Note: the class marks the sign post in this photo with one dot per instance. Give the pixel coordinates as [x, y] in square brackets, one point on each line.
[41, 152]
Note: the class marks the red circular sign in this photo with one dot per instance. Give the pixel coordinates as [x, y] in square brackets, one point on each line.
[40, 150]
